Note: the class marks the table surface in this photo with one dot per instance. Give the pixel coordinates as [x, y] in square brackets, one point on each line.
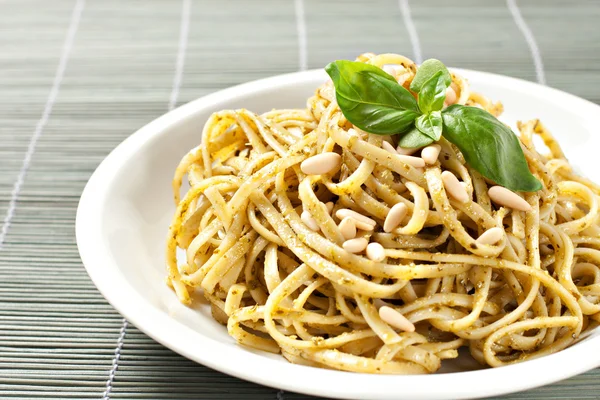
[78, 76]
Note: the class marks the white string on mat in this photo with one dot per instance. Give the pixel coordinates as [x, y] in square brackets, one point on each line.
[183, 41]
[186, 8]
[115, 362]
[533, 47]
[412, 31]
[301, 32]
[39, 128]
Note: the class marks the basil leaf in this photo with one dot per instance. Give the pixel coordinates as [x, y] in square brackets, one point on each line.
[414, 138]
[430, 125]
[433, 94]
[489, 146]
[427, 70]
[372, 99]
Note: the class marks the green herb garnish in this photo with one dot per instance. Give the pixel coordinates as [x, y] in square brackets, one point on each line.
[375, 102]
[489, 146]
[371, 98]
[426, 71]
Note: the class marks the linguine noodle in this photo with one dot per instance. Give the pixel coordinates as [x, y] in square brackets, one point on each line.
[280, 286]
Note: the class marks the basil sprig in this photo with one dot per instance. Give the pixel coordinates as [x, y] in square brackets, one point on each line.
[414, 139]
[371, 98]
[430, 125]
[374, 101]
[433, 94]
[426, 71]
[489, 146]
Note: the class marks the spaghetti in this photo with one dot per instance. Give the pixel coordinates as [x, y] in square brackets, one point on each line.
[300, 263]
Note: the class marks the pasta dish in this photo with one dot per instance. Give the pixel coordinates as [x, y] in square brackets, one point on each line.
[388, 224]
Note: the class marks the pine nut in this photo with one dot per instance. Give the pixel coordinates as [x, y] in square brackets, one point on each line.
[453, 187]
[450, 96]
[454, 87]
[346, 212]
[387, 146]
[406, 151]
[430, 153]
[329, 206]
[309, 221]
[363, 226]
[416, 162]
[395, 319]
[375, 252]
[395, 217]
[507, 198]
[491, 236]
[355, 245]
[320, 164]
[347, 228]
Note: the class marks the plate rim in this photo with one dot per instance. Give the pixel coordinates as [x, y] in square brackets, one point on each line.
[178, 337]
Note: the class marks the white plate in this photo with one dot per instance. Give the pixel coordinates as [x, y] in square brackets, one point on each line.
[127, 205]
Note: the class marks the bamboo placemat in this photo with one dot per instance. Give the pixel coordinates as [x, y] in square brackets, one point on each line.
[78, 76]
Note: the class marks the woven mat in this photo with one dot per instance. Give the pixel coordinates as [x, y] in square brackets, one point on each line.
[77, 77]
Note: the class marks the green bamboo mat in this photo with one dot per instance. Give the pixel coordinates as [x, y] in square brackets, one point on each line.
[77, 77]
